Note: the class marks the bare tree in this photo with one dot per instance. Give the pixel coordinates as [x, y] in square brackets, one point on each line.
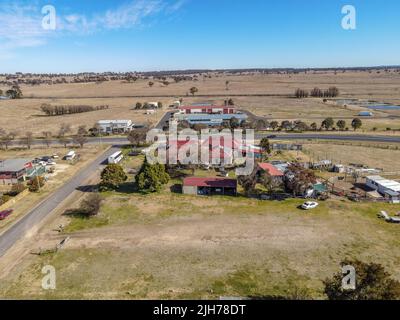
[47, 135]
[27, 139]
[137, 137]
[80, 137]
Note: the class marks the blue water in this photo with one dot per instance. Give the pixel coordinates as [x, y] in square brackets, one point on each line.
[384, 107]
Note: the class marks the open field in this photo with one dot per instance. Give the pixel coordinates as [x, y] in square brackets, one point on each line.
[169, 245]
[174, 246]
[374, 157]
[25, 115]
[122, 96]
[361, 84]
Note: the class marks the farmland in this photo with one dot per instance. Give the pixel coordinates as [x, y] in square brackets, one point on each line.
[266, 95]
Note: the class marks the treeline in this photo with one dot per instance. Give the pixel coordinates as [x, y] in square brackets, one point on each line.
[146, 106]
[332, 92]
[50, 110]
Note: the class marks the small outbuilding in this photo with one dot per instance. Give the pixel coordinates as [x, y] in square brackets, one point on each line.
[209, 186]
[273, 171]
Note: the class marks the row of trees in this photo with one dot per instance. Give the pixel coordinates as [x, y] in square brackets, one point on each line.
[63, 136]
[329, 123]
[150, 178]
[298, 125]
[145, 106]
[50, 110]
[331, 92]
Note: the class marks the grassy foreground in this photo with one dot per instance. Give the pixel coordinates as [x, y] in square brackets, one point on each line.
[174, 246]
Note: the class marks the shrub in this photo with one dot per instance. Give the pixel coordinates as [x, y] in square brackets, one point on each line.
[36, 183]
[112, 177]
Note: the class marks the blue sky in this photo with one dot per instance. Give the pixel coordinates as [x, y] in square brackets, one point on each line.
[143, 35]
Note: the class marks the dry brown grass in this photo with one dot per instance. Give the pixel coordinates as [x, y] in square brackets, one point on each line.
[25, 114]
[374, 157]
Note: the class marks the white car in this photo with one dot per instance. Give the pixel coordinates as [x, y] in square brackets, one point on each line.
[309, 205]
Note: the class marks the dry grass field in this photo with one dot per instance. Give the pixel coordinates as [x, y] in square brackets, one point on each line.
[169, 245]
[25, 115]
[121, 96]
[174, 246]
[374, 156]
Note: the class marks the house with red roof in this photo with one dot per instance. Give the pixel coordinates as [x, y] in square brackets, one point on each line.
[273, 171]
[209, 186]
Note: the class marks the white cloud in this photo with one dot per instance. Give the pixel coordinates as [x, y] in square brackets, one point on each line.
[126, 16]
[21, 21]
[20, 26]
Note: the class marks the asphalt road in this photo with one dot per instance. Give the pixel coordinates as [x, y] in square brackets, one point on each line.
[279, 136]
[41, 211]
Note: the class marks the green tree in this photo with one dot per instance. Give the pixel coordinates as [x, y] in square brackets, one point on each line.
[274, 125]
[112, 177]
[372, 283]
[193, 90]
[265, 145]
[151, 177]
[327, 123]
[260, 124]
[341, 124]
[356, 124]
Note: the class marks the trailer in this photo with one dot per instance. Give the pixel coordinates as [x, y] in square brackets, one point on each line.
[115, 157]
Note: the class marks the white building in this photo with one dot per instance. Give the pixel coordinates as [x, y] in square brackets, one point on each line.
[388, 188]
[110, 126]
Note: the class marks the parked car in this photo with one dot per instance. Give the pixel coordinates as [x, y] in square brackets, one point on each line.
[4, 214]
[309, 205]
[54, 156]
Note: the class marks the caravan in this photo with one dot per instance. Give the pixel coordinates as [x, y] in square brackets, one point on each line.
[70, 156]
[115, 158]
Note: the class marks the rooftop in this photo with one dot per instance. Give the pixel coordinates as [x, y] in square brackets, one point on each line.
[210, 182]
[390, 184]
[273, 171]
[13, 165]
[200, 106]
[114, 121]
